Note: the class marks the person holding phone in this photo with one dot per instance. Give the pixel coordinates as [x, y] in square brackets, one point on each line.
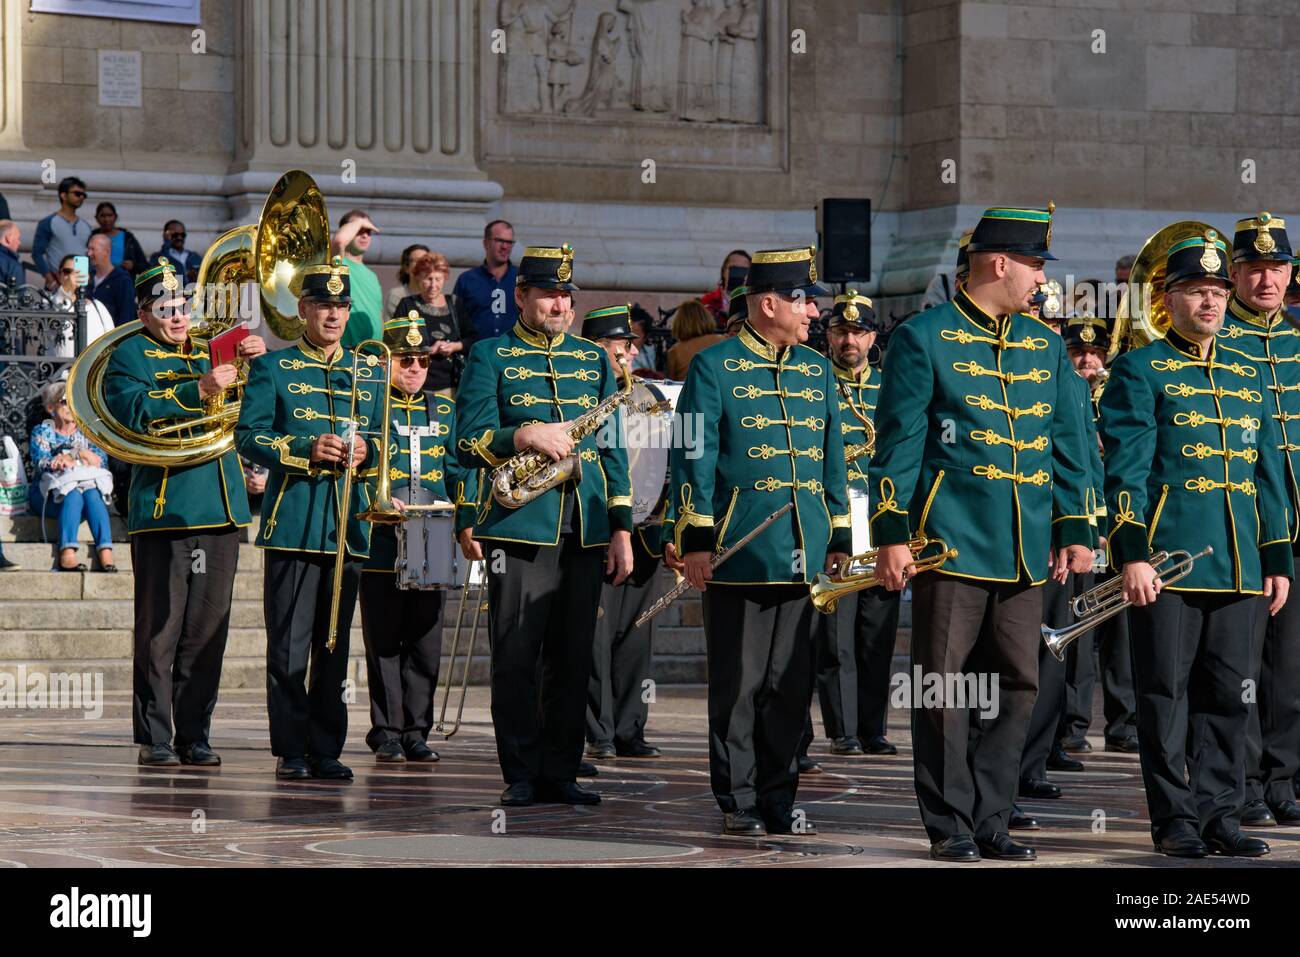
[73, 274]
[718, 300]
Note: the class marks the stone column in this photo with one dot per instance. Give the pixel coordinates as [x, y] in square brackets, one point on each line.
[375, 99]
[11, 74]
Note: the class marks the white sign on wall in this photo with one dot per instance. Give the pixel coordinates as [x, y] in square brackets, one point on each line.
[158, 11]
[119, 78]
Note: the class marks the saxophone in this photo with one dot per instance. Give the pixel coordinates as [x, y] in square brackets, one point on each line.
[528, 474]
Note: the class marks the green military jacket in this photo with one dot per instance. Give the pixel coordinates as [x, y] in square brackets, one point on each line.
[766, 428]
[293, 396]
[440, 472]
[858, 394]
[1275, 344]
[1096, 490]
[522, 377]
[1191, 460]
[147, 380]
[980, 442]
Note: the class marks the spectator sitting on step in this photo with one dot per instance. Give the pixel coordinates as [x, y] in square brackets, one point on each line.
[11, 270]
[70, 482]
[174, 251]
[127, 251]
[62, 232]
[98, 321]
[694, 329]
[406, 285]
[446, 354]
[111, 285]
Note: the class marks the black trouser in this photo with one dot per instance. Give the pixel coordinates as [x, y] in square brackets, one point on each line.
[965, 782]
[1273, 727]
[1080, 680]
[761, 659]
[542, 608]
[1191, 657]
[617, 707]
[304, 681]
[1049, 706]
[1118, 700]
[855, 655]
[402, 629]
[183, 584]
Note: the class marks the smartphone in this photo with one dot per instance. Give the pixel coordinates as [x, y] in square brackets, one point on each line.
[81, 266]
[736, 276]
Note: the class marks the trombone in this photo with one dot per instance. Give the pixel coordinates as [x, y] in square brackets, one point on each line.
[381, 510]
[1107, 600]
[479, 605]
[858, 573]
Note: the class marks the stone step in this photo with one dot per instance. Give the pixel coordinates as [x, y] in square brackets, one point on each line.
[40, 588]
[37, 556]
[27, 529]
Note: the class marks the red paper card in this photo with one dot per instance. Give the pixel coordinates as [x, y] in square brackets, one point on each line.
[224, 348]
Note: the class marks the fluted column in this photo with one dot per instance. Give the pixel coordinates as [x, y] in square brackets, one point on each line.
[11, 74]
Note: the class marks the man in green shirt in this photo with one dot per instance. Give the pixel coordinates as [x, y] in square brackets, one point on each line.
[352, 241]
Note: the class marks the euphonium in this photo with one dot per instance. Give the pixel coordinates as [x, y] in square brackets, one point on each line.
[526, 475]
[858, 573]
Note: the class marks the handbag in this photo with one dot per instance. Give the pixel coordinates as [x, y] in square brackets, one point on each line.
[13, 480]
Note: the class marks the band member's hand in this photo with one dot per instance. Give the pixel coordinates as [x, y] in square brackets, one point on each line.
[255, 482]
[549, 438]
[328, 448]
[618, 557]
[398, 504]
[1141, 584]
[252, 347]
[894, 566]
[217, 381]
[1079, 558]
[359, 451]
[671, 560]
[698, 568]
[1276, 589]
[470, 548]
[835, 560]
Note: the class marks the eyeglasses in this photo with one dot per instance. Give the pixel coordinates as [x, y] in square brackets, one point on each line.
[1213, 292]
[77, 193]
[503, 242]
[407, 361]
[178, 235]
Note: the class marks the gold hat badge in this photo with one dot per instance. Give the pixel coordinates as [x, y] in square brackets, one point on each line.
[851, 309]
[169, 280]
[1264, 242]
[565, 270]
[1210, 260]
[413, 331]
[812, 263]
[335, 284]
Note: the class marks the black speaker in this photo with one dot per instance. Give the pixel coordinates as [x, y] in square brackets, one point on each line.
[844, 240]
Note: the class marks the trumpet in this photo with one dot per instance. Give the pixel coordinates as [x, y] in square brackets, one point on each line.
[858, 573]
[1107, 600]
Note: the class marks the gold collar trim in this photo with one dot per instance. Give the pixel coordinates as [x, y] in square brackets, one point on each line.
[858, 379]
[1245, 313]
[318, 353]
[1187, 347]
[974, 314]
[536, 339]
[756, 344]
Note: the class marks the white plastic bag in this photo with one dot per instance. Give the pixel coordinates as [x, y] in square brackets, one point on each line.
[13, 480]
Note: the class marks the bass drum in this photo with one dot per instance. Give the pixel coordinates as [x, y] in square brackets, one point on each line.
[648, 435]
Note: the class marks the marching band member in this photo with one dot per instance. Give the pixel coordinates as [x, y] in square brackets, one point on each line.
[771, 437]
[856, 641]
[295, 405]
[1256, 324]
[980, 444]
[616, 707]
[182, 614]
[1192, 461]
[545, 558]
[402, 628]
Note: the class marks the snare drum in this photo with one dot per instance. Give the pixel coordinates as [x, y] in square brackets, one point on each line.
[648, 437]
[428, 557]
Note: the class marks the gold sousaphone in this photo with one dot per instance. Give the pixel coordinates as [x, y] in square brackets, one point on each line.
[1142, 317]
[291, 234]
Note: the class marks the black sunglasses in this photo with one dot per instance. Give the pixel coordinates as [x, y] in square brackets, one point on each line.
[407, 361]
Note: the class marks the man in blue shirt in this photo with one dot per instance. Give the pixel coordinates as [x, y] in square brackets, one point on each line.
[62, 232]
[10, 267]
[487, 292]
[111, 285]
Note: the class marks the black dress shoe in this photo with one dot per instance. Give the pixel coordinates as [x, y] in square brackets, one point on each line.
[1000, 847]
[1236, 844]
[1058, 760]
[638, 749]
[1040, 789]
[329, 769]
[1287, 814]
[1079, 745]
[519, 794]
[1182, 842]
[808, 766]
[601, 752]
[880, 745]
[292, 769]
[421, 752]
[744, 823]
[850, 747]
[960, 849]
[7, 566]
[587, 770]
[565, 792]
[200, 755]
[157, 756]
[1257, 814]
[1128, 745]
[1020, 821]
[390, 752]
[784, 822]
